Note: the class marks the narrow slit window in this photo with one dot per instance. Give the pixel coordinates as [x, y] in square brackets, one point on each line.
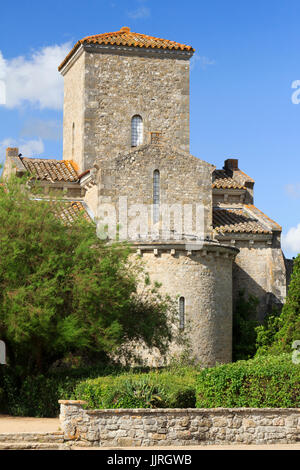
[136, 131]
[156, 196]
[181, 313]
[73, 139]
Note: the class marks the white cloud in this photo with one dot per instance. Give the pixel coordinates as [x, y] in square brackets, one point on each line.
[28, 148]
[293, 190]
[2, 82]
[139, 13]
[291, 241]
[202, 61]
[35, 79]
[31, 148]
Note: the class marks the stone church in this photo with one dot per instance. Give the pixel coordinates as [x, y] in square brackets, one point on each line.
[126, 145]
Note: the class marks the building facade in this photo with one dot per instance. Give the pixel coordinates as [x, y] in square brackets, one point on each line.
[126, 163]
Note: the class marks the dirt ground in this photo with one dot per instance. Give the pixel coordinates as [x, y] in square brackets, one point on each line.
[14, 424]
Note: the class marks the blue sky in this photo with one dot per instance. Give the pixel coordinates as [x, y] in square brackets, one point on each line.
[247, 58]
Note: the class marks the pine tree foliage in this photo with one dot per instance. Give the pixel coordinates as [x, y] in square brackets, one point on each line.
[63, 290]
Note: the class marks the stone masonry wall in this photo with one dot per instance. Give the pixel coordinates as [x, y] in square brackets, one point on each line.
[204, 279]
[110, 87]
[184, 180]
[166, 427]
[119, 86]
[74, 82]
[259, 270]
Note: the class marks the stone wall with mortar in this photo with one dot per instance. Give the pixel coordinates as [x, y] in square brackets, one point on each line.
[74, 106]
[121, 84]
[184, 180]
[111, 85]
[259, 270]
[204, 278]
[179, 427]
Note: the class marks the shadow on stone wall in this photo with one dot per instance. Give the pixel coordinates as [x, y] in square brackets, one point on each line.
[289, 265]
[243, 282]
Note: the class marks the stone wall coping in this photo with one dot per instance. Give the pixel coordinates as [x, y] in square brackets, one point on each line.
[72, 402]
[145, 411]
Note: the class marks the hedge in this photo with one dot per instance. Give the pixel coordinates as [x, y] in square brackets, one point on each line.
[102, 387]
[38, 396]
[153, 390]
[263, 382]
[267, 381]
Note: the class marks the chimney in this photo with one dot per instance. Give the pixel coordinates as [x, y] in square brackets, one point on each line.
[231, 164]
[12, 152]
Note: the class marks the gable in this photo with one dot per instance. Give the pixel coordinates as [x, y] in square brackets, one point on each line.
[184, 178]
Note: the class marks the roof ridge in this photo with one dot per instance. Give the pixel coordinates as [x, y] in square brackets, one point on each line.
[262, 215]
[125, 37]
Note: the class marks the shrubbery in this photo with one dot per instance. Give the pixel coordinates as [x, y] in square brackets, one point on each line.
[280, 330]
[38, 395]
[152, 390]
[267, 381]
[244, 327]
[101, 387]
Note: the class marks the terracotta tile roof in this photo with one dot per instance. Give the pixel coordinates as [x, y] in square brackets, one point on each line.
[125, 37]
[221, 180]
[237, 220]
[264, 217]
[51, 170]
[68, 211]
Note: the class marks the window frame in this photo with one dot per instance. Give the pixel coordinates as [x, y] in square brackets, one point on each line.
[181, 312]
[137, 131]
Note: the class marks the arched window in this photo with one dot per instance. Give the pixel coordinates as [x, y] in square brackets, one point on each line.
[181, 313]
[136, 131]
[156, 196]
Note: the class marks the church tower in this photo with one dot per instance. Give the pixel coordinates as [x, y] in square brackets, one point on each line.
[123, 89]
[126, 119]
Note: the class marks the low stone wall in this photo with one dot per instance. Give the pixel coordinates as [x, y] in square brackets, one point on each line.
[165, 427]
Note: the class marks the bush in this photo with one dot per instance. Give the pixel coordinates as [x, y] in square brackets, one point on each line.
[267, 381]
[153, 390]
[101, 387]
[38, 396]
[244, 327]
[281, 329]
[266, 334]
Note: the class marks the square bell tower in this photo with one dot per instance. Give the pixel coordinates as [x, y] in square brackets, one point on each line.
[120, 90]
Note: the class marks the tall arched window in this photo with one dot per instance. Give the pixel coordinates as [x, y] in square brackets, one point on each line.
[181, 313]
[136, 131]
[156, 195]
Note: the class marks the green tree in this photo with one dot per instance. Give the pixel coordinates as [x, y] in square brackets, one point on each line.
[63, 290]
[244, 324]
[280, 331]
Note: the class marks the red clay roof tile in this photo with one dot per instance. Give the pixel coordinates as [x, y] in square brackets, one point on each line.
[51, 170]
[125, 37]
[237, 220]
[221, 180]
